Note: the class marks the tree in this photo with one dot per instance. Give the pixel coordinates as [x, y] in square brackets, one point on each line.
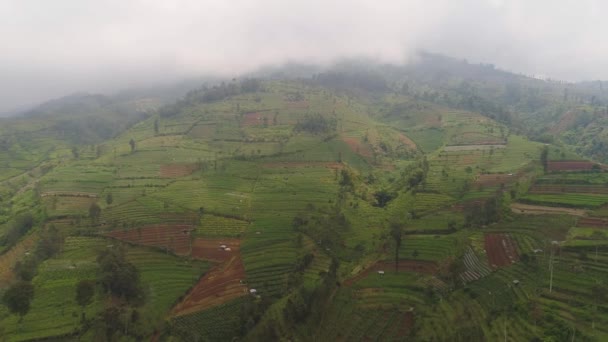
[109, 198]
[156, 126]
[18, 297]
[132, 144]
[49, 244]
[118, 276]
[85, 289]
[396, 234]
[94, 212]
[75, 152]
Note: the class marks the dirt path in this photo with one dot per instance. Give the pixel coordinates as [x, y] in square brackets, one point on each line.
[529, 209]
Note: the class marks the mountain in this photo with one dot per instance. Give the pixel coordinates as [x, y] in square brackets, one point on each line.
[439, 200]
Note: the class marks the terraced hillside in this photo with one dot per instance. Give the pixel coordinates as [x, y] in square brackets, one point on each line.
[296, 210]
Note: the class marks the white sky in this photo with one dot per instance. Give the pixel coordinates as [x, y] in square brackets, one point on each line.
[50, 48]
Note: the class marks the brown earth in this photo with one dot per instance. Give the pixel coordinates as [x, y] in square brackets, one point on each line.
[8, 259]
[500, 249]
[593, 222]
[209, 249]
[358, 147]
[407, 141]
[176, 170]
[173, 237]
[220, 285]
[570, 165]
[256, 119]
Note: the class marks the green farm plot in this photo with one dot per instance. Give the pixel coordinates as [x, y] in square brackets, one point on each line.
[77, 179]
[574, 178]
[426, 202]
[212, 225]
[145, 210]
[217, 323]
[436, 221]
[429, 247]
[428, 140]
[67, 205]
[572, 200]
[54, 310]
[287, 192]
[518, 153]
[267, 263]
[164, 278]
[220, 194]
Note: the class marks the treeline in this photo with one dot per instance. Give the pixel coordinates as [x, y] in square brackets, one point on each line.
[211, 94]
[360, 79]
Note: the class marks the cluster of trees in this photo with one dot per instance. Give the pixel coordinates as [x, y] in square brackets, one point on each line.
[360, 79]
[18, 297]
[316, 124]
[487, 211]
[18, 228]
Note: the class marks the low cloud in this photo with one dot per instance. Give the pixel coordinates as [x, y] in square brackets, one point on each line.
[51, 48]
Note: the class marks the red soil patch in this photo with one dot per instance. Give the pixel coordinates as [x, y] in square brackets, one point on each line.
[407, 323]
[358, 147]
[297, 165]
[501, 250]
[8, 259]
[592, 222]
[425, 267]
[173, 237]
[210, 249]
[176, 170]
[256, 119]
[220, 285]
[407, 141]
[570, 165]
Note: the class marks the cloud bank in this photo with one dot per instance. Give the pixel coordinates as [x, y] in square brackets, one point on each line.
[51, 48]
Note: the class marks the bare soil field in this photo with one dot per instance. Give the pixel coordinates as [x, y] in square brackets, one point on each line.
[501, 250]
[173, 237]
[569, 165]
[176, 170]
[407, 141]
[358, 147]
[220, 285]
[213, 249]
[8, 259]
[593, 222]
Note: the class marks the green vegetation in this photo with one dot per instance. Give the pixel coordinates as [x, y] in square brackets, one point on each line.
[353, 205]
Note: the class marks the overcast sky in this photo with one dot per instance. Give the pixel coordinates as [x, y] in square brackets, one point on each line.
[49, 48]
